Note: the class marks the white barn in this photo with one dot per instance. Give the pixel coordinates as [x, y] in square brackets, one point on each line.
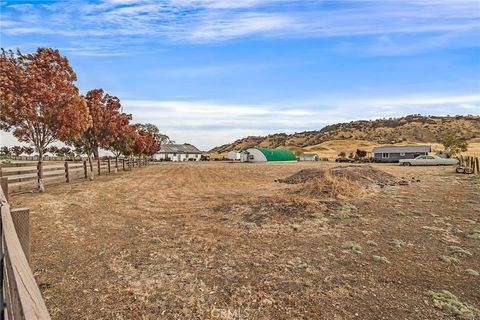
[234, 155]
[308, 157]
[178, 152]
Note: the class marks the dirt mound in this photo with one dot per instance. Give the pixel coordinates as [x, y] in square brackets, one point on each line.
[329, 186]
[274, 209]
[302, 176]
[366, 176]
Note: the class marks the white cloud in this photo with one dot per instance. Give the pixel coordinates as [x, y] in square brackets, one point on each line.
[208, 124]
[201, 21]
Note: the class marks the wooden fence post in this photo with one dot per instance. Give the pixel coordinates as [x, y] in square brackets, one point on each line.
[108, 162]
[4, 186]
[123, 163]
[116, 163]
[67, 173]
[98, 165]
[85, 171]
[21, 222]
[477, 164]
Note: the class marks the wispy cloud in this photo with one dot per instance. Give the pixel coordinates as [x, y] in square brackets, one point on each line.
[209, 123]
[207, 21]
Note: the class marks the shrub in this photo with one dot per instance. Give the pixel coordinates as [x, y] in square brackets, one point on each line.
[448, 259]
[353, 247]
[451, 305]
[381, 259]
[459, 251]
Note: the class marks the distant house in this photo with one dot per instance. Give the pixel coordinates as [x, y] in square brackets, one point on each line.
[396, 153]
[178, 152]
[308, 157]
[267, 155]
[234, 155]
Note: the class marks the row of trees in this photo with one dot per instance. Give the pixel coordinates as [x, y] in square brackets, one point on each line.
[40, 105]
[359, 154]
[53, 150]
[16, 150]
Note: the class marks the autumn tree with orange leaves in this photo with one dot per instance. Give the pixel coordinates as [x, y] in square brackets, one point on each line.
[145, 143]
[107, 124]
[125, 142]
[39, 101]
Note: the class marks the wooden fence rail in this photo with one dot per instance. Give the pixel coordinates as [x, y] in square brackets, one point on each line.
[470, 162]
[21, 298]
[27, 175]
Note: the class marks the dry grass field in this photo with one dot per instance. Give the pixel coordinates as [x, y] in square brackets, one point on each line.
[226, 241]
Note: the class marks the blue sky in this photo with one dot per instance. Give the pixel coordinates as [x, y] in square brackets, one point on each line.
[211, 71]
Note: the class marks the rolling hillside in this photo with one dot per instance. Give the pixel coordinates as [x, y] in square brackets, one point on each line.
[365, 134]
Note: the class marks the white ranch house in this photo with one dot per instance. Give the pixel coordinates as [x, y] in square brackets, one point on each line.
[178, 152]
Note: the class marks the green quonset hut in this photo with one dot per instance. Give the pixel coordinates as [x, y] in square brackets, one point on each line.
[267, 155]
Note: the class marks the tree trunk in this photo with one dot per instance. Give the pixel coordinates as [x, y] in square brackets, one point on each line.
[89, 155]
[98, 160]
[41, 186]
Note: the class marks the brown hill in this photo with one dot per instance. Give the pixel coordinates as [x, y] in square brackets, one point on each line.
[409, 129]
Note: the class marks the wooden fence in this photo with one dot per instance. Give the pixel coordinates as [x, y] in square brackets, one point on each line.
[470, 162]
[28, 175]
[21, 298]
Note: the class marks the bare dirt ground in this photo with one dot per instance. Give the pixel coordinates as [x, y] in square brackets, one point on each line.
[225, 241]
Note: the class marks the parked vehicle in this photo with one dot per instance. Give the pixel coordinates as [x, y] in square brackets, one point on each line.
[344, 159]
[428, 161]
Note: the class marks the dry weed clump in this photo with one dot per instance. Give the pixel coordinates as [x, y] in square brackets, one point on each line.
[475, 235]
[380, 259]
[449, 259]
[459, 251]
[451, 305]
[354, 247]
[397, 243]
[473, 272]
[331, 186]
[346, 211]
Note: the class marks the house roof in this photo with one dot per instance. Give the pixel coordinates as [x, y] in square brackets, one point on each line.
[398, 149]
[310, 155]
[178, 148]
[277, 154]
